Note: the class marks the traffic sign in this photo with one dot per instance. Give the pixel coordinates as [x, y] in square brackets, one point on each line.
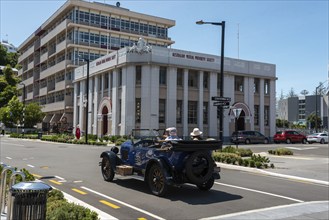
[221, 103]
[219, 98]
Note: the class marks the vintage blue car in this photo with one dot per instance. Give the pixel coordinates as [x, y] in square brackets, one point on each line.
[162, 163]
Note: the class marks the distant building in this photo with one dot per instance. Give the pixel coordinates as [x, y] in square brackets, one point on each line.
[10, 47]
[156, 87]
[297, 109]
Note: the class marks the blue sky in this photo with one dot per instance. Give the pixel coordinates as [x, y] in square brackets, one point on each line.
[293, 35]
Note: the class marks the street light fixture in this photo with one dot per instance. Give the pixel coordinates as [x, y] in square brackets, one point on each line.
[87, 90]
[221, 91]
[316, 105]
[24, 92]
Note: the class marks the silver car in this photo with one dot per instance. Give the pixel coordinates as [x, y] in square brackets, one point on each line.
[317, 138]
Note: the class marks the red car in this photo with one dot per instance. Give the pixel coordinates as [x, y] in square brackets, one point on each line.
[289, 136]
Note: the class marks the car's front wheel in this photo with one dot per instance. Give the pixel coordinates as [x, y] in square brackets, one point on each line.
[107, 169]
[322, 141]
[304, 141]
[288, 141]
[266, 141]
[207, 185]
[156, 180]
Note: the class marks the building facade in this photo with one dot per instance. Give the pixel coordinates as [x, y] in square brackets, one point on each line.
[147, 86]
[297, 109]
[9, 47]
[77, 31]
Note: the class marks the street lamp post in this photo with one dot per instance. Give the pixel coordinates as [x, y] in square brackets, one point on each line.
[24, 92]
[87, 99]
[221, 91]
[316, 105]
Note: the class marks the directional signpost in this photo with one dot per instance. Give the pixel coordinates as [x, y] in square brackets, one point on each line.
[221, 101]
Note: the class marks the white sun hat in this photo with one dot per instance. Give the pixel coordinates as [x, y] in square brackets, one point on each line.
[196, 132]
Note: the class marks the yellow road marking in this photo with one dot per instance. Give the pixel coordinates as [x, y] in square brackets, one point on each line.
[44, 167]
[109, 204]
[36, 175]
[79, 191]
[56, 182]
[141, 218]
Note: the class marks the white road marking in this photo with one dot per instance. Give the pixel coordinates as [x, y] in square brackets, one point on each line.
[29, 165]
[261, 192]
[302, 148]
[9, 158]
[61, 178]
[78, 181]
[123, 203]
[21, 145]
[292, 211]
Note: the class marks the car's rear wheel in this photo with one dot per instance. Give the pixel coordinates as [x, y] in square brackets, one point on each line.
[304, 141]
[107, 169]
[156, 180]
[199, 167]
[322, 141]
[288, 141]
[207, 185]
[266, 141]
[247, 141]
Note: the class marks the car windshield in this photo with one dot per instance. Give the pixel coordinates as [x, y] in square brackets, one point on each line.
[279, 132]
[142, 134]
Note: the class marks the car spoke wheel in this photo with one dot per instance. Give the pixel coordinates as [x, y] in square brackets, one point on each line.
[247, 141]
[304, 141]
[322, 141]
[288, 141]
[156, 180]
[206, 185]
[107, 169]
[266, 141]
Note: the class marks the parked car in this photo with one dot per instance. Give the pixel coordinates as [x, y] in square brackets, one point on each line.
[249, 137]
[317, 138]
[162, 163]
[289, 136]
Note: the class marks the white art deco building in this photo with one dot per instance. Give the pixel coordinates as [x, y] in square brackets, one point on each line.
[156, 87]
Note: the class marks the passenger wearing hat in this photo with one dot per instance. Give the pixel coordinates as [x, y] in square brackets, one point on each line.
[172, 134]
[196, 134]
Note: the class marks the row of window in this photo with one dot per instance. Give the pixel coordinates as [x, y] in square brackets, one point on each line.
[118, 24]
[239, 85]
[266, 115]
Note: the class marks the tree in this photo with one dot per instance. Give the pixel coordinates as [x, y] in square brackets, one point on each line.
[311, 119]
[282, 123]
[3, 56]
[7, 94]
[292, 93]
[33, 114]
[304, 92]
[12, 59]
[321, 89]
[11, 114]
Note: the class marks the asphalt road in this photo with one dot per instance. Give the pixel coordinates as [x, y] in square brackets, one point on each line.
[74, 170]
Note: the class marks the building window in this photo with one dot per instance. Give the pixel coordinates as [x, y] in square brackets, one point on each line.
[267, 86]
[256, 85]
[266, 115]
[138, 110]
[120, 77]
[179, 112]
[192, 112]
[163, 75]
[138, 75]
[205, 80]
[205, 113]
[162, 111]
[256, 115]
[193, 78]
[106, 83]
[238, 83]
[180, 73]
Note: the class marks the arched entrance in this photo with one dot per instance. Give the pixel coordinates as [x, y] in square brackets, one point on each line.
[105, 111]
[104, 115]
[241, 122]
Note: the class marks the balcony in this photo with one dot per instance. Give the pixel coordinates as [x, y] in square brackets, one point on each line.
[52, 70]
[43, 57]
[61, 27]
[60, 85]
[56, 106]
[26, 54]
[28, 81]
[20, 72]
[61, 46]
[43, 91]
[29, 96]
[30, 65]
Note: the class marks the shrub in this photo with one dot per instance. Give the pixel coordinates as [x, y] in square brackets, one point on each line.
[252, 163]
[281, 151]
[119, 141]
